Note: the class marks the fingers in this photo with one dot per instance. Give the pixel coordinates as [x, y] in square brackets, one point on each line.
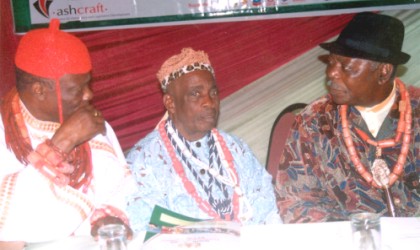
[97, 113]
[90, 119]
[81, 126]
[91, 110]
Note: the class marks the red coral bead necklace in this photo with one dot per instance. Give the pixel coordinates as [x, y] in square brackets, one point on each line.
[387, 179]
[239, 200]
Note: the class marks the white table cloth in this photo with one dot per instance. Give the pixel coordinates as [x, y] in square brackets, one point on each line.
[396, 234]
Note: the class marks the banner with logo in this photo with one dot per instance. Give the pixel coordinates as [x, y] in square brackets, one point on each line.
[111, 14]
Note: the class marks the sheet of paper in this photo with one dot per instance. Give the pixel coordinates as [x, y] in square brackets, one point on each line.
[206, 235]
[162, 217]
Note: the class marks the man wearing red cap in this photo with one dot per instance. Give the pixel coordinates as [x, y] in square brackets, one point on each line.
[63, 171]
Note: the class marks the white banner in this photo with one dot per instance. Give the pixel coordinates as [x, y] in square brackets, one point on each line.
[96, 10]
[81, 10]
[99, 14]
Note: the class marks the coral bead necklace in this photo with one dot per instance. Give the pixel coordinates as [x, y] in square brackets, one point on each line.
[241, 207]
[382, 177]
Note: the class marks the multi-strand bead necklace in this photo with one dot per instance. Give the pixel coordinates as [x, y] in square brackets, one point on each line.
[241, 208]
[382, 177]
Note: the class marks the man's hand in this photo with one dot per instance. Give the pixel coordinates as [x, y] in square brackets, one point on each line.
[84, 124]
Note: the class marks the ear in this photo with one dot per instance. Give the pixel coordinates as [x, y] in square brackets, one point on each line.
[385, 72]
[169, 103]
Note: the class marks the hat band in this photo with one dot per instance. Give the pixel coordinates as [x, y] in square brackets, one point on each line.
[367, 47]
[185, 70]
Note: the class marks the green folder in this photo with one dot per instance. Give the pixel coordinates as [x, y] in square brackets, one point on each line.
[162, 217]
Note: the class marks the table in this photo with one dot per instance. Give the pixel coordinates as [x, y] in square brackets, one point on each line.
[397, 234]
[82, 243]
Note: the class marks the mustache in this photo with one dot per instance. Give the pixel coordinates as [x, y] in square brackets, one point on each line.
[332, 85]
[210, 112]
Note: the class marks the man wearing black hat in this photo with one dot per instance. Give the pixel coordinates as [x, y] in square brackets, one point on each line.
[357, 148]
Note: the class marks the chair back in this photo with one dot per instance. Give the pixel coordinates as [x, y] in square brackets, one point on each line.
[278, 136]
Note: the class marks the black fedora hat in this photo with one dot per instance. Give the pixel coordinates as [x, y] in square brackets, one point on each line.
[371, 36]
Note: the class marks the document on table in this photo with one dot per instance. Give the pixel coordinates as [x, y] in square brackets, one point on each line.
[205, 235]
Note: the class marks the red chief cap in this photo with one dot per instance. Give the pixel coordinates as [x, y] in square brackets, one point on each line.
[52, 53]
